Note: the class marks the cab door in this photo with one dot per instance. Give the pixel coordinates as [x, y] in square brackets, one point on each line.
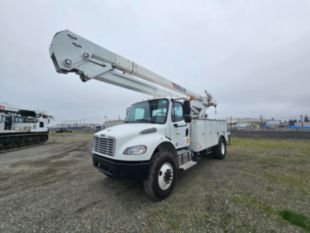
[179, 129]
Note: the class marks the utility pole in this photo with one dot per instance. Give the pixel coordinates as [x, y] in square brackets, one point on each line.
[302, 122]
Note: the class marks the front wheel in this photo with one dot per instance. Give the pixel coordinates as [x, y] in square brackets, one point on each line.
[162, 176]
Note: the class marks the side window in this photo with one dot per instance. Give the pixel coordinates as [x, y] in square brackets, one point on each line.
[1, 119]
[41, 124]
[177, 112]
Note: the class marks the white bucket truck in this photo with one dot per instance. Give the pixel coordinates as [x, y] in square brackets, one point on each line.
[160, 136]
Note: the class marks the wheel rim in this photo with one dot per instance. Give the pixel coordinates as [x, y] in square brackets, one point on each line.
[222, 148]
[165, 176]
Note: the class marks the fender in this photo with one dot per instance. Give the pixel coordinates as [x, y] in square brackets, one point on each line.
[151, 141]
[166, 146]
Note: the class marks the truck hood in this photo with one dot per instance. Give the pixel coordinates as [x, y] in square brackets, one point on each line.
[125, 130]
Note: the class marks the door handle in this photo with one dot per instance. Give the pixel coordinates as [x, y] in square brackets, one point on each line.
[177, 125]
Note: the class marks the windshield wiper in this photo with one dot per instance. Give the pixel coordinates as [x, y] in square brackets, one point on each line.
[138, 121]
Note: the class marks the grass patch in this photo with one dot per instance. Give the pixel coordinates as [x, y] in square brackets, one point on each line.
[291, 179]
[253, 202]
[174, 225]
[296, 219]
[288, 215]
[300, 146]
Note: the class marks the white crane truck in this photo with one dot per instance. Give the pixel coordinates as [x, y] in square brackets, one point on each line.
[160, 136]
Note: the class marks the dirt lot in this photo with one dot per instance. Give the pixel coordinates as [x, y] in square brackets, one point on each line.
[262, 186]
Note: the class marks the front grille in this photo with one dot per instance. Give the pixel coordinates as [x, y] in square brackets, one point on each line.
[104, 145]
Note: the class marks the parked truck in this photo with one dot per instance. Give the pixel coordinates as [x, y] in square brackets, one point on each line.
[160, 136]
[22, 127]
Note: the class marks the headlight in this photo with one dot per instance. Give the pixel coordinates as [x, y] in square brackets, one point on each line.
[94, 142]
[135, 150]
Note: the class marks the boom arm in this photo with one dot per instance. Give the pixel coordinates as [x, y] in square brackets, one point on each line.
[72, 53]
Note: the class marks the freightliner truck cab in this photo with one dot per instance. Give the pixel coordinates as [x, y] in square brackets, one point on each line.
[127, 149]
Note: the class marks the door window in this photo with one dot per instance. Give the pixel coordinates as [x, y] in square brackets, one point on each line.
[177, 112]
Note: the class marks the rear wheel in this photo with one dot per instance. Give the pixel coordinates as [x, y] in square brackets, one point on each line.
[220, 150]
[162, 176]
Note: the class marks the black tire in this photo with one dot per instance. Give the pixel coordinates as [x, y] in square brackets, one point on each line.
[109, 175]
[162, 176]
[220, 150]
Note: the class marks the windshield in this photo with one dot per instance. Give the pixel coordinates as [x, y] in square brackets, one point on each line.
[152, 111]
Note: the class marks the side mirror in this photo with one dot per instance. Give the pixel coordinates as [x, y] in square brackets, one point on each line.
[187, 111]
[186, 107]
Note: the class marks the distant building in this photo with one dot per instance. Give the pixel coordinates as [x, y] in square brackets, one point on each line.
[298, 125]
[272, 124]
[244, 123]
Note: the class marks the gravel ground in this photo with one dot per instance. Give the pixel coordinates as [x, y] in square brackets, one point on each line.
[54, 188]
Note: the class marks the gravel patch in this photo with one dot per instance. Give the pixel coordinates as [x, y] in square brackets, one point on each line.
[54, 188]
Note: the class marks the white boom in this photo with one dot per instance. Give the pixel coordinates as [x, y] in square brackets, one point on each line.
[73, 53]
